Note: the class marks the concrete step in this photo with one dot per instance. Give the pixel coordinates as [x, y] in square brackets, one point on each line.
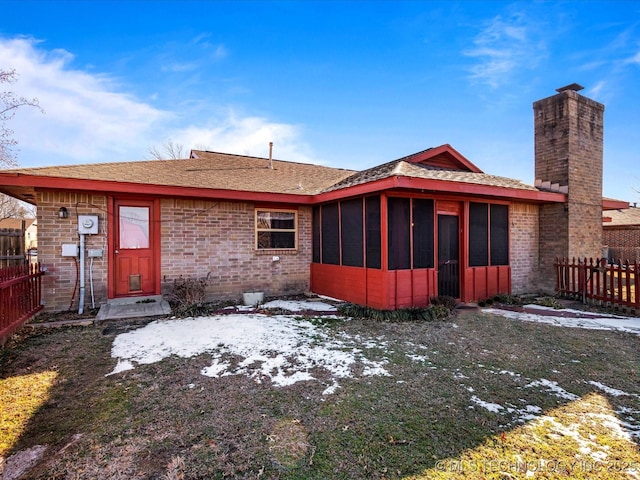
[134, 307]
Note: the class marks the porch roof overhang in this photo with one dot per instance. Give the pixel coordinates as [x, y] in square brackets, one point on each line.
[443, 187]
[613, 204]
[24, 187]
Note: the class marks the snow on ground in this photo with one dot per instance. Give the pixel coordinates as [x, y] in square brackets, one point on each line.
[492, 407]
[553, 388]
[592, 322]
[284, 350]
[614, 392]
[279, 348]
[300, 305]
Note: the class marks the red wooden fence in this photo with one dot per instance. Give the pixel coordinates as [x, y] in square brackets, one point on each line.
[613, 284]
[20, 294]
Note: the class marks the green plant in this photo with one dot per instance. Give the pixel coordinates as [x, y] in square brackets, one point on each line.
[438, 311]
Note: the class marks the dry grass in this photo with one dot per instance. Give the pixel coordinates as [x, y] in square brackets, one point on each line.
[166, 420]
[21, 396]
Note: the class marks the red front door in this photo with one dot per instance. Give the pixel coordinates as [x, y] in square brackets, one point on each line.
[135, 246]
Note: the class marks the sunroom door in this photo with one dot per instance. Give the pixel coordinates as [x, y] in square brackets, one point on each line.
[449, 256]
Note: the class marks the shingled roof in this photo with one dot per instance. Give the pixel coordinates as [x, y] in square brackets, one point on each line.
[240, 177]
[209, 170]
[622, 218]
[403, 168]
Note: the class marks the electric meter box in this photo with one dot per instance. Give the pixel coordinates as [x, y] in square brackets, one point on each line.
[88, 224]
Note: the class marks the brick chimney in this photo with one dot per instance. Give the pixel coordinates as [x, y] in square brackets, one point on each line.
[568, 153]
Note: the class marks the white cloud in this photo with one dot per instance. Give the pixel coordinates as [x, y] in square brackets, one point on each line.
[248, 135]
[86, 117]
[89, 117]
[503, 46]
[596, 90]
[635, 59]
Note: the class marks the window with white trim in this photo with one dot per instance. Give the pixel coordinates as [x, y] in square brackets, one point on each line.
[276, 229]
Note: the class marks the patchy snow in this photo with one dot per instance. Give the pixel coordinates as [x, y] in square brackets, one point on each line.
[300, 305]
[284, 350]
[278, 348]
[614, 392]
[553, 388]
[492, 407]
[592, 321]
[588, 446]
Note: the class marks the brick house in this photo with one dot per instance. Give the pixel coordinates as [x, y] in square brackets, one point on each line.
[391, 236]
[621, 234]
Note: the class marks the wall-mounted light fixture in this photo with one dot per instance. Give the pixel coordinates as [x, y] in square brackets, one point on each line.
[63, 212]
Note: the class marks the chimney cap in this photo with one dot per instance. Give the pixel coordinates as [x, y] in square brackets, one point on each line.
[573, 87]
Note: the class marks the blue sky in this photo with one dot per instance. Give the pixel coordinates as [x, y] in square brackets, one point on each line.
[345, 84]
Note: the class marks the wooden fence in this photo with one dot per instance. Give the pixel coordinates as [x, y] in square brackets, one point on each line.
[20, 295]
[599, 281]
[12, 247]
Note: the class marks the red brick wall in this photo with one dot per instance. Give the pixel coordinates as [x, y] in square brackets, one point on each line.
[623, 242]
[568, 151]
[61, 277]
[523, 247]
[197, 237]
[217, 238]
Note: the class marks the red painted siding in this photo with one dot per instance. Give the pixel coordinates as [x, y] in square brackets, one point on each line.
[375, 288]
[485, 282]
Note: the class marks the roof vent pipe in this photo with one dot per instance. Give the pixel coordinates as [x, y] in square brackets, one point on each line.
[271, 155]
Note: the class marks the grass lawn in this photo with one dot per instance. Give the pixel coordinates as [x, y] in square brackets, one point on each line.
[478, 396]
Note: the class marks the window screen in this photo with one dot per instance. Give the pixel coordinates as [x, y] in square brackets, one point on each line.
[316, 234]
[499, 235]
[372, 226]
[352, 233]
[422, 233]
[330, 234]
[399, 233]
[478, 235]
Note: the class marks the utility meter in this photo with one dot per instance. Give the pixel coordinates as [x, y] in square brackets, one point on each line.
[88, 224]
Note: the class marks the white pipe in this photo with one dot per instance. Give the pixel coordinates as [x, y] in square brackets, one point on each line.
[93, 299]
[81, 299]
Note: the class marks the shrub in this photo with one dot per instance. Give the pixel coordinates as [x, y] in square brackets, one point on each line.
[548, 302]
[507, 299]
[444, 300]
[188, 296]
[434, 312]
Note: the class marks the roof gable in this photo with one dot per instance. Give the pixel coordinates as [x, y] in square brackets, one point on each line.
[445, 157]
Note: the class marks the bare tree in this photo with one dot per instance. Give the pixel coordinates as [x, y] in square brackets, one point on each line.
[9, 103]
[168, 151]
[13, 208]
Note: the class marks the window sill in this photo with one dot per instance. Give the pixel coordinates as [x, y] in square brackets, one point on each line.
[277, 251]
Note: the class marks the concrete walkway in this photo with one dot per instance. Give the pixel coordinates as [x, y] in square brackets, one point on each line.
[567, 317]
